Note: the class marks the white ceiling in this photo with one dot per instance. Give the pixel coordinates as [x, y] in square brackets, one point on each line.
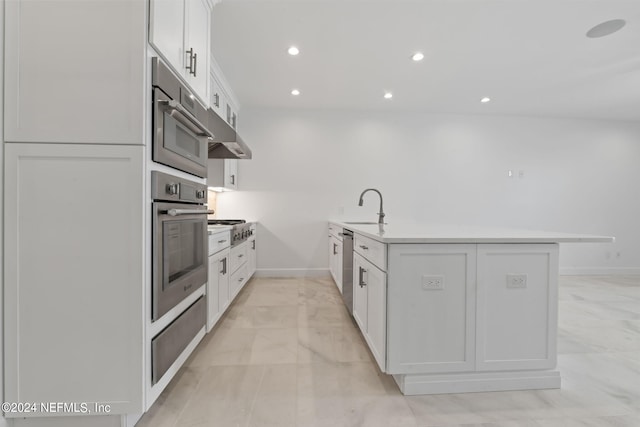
[530, 56]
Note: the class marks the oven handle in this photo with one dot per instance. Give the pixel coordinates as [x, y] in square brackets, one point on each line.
[174, 105]
[176, 212]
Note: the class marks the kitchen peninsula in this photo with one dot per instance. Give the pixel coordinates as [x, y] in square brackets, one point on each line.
[449, 309]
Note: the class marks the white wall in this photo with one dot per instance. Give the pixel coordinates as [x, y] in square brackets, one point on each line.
[578, 176]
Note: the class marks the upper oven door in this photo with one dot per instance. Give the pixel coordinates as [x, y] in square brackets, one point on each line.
[180, 253]
[179, 138]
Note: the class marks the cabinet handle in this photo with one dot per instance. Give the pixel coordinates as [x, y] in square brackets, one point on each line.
[240, 256]
[233, 180]
[195, 63]
[254, 245]
[361, 272]
[217, 100]
[240, 279]
[334, 249]
[364, 248]
[222, 241]
[233, 120]
[190, 66]
[228, 113]
[224, 266]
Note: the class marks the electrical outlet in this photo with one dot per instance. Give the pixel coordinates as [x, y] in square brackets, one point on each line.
[516, 280]
[431, 283]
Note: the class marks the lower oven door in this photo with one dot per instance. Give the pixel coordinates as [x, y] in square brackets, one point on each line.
[179, 253]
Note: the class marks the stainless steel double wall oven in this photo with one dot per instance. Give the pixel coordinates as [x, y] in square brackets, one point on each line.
[179, 221]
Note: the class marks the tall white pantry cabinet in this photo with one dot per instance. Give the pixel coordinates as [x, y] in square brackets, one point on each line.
[77, 209]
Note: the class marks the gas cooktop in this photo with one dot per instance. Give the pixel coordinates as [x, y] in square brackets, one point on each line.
[240, 230]
[226, 221]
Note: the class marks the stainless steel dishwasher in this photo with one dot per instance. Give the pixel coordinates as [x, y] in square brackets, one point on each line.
[347, 269]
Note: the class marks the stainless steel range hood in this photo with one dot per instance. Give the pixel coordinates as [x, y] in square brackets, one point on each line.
[226, 143]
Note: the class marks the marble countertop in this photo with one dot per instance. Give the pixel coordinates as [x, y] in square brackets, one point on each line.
[415, 232]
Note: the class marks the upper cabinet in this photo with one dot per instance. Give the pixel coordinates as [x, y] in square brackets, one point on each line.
[222, 98]
[180, 32]
[74, 72]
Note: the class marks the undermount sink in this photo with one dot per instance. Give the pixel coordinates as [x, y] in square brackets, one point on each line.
[362, 222]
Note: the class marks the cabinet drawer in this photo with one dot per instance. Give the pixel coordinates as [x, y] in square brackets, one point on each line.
[238, 257]
[335, 231]
[171, 342]
[237, 280]
[219, 241]
[375, 252]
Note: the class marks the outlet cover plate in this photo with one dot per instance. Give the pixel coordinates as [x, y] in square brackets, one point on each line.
[516, 280]
[432, 283]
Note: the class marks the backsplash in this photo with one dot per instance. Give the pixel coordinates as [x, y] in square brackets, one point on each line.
[211, 203]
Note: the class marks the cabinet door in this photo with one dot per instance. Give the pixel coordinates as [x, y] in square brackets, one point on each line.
[231, 173]
[213, 289]
[251, 255]
[166, 30]
[431, 308]
[332, 259]
[360, 266]
[74, 274]
[335, 261]
[197, 27]
[517, 306]
[376, 284]
[223, 282]
[217, 97]
[74, 72]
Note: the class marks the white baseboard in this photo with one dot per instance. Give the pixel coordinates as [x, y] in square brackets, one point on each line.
[292, 272]
[599, 271]
[414, 384]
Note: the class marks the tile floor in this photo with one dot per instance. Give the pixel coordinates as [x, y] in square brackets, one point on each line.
[287, 353]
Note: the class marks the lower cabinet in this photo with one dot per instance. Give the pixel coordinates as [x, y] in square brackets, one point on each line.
[251, 253]
[517, 307]
[471, 307]
[237, 280]
[217, 287]
[370, 306]
[431, 308]
[73, 275]
[459, 317]
[335, 254]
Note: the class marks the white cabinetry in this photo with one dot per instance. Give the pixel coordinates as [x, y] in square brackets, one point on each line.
[238, 268]
[517, 305]
[472, 317]
[74, 72]
[218, 282]
[335, 255]
[370, 305]
[180, 31]
[223, 100]
[251, 252]
[431, 326]
[73, 274]
[222, 174]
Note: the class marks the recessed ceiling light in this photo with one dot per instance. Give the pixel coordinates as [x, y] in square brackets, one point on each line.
[485, 100]
[293, 51]
[388, 95]
[606, 28]
[295, 92]
[418, 56]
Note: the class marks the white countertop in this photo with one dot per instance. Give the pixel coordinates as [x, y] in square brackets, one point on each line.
[414, 232]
